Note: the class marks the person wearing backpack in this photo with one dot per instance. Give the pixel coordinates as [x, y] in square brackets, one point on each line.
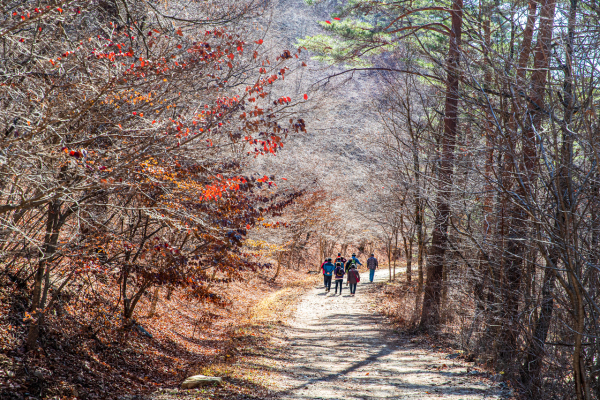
[340, 259]
[339, 277]
[353, 261]
[327, 274]
[353, 279]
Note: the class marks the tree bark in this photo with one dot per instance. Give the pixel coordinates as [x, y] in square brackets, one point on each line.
[42, 273]
[515, 249]
[154, 303]
[430, 314]
[530, 374]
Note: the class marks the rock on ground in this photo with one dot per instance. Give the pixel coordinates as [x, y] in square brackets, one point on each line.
[199, 380]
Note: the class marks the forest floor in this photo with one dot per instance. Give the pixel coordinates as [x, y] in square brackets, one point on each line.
[340, 347]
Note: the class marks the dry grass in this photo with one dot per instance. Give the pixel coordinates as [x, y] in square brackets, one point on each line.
[279, 306]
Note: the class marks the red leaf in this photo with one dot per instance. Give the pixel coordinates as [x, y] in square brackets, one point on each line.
[305, 96]
[259, 41]
[337, 19]
[329, 22]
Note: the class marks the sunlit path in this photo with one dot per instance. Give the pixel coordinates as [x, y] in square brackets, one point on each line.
[340, 349]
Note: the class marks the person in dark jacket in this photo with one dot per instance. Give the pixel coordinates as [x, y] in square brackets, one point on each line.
[372, 265]
[353, 279]
[339, 277]
[340, 259]
[328, 268]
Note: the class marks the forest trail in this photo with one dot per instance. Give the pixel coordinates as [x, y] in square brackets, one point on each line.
[338, 347]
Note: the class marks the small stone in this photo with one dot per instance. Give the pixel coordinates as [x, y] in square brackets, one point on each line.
[200, 380]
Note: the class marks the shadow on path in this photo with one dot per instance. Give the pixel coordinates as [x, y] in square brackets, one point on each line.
[339, 348]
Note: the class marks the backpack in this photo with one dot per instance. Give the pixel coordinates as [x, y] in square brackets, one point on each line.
[339, 271]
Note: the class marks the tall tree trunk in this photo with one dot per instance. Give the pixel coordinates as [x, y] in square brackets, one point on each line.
[430, 314]
[42, 274]
[279, 259]
[390, 256]
[515, 249]
[530, 374]
[409, 256]
[154, 303]
[395, 253]
[418, 217]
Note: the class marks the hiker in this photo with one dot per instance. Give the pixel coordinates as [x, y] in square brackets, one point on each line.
[340, 259]
[351, 261]
[323, 271]
[339, 276]
[372, 265]
[327, 272]
[353, 279]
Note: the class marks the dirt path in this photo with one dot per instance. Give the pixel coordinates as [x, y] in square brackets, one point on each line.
[338, 348]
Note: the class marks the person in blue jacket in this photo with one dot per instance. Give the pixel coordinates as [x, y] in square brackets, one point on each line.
[351, 261]
[328, 268]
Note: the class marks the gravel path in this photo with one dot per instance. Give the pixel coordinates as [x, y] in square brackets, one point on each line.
[338, 348]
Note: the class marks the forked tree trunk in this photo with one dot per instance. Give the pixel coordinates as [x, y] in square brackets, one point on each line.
[515, 250]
